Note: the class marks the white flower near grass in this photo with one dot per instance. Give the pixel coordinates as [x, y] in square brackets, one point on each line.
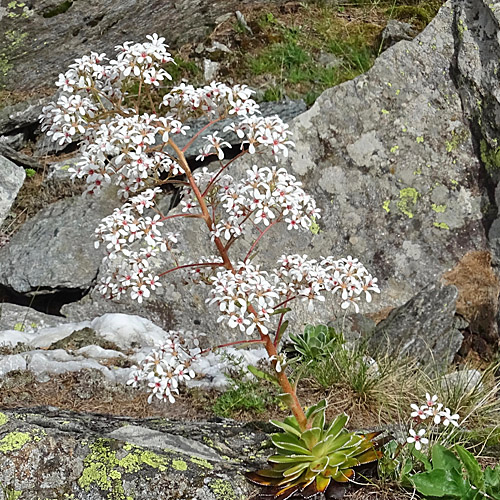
[448, 418]
[417, 438]
[419, 411]
[430, 401]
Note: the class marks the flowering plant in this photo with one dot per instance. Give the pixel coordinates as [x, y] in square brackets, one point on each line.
[427, 419]
[139, 152]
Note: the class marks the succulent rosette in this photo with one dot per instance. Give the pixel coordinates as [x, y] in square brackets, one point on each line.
[308, 461]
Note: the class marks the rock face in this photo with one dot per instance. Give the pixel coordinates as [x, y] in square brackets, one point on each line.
[11, 180]
[391, 159]
[55, 454]
[14, 317]
[53, 33]
[424, 328]
[56, 248]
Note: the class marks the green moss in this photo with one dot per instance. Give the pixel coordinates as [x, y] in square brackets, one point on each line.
[103, 469]
[3, 419]
[10, 493]
[394, 149]
[490, 156]
[179, 465]
[407, 200]
[385, 205]
[438, 208]
[420, 139]
[222, 489]
[202, 462]
[441, 225]
[58, 9]
[14, 441]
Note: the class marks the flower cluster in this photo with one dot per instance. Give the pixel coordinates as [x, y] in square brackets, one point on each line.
[216, 100]
[124, 149]
[118, 142]
[93, 84]
[166, 367]
[428, 414]
[267, 195]
[247, 296]
[130, 268]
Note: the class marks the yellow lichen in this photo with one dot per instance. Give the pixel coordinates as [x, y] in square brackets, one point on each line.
[407, 200]
[103, 469]
[202, 462]
[222, 489]
[14, 441]
[179, 465]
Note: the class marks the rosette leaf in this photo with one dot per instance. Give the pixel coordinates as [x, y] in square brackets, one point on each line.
[309, 461]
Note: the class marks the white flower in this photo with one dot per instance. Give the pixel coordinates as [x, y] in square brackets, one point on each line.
[419, 412]
[430, 401]
[167, 366]
[417, 438]
[448, 418]
[435, 413]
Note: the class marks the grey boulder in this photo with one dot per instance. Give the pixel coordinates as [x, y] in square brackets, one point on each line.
[11, 180]
[425, 328]
[55, 249]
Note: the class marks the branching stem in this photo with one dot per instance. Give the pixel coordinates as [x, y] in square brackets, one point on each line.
[283, 381]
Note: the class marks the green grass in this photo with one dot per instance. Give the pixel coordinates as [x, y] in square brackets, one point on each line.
[244, 396]
[292, 57]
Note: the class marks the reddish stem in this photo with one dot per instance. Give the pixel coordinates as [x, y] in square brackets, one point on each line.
[285, 301]
[193, 216]
[210, 184]
[186, 147]
[283, 381]
[184, 266]
[262, 233]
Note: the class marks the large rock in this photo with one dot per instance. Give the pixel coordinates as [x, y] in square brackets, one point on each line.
[42, 38]
[425, 328]
[11, 180]
[55, 249]
[21, 116]
[57, 454]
